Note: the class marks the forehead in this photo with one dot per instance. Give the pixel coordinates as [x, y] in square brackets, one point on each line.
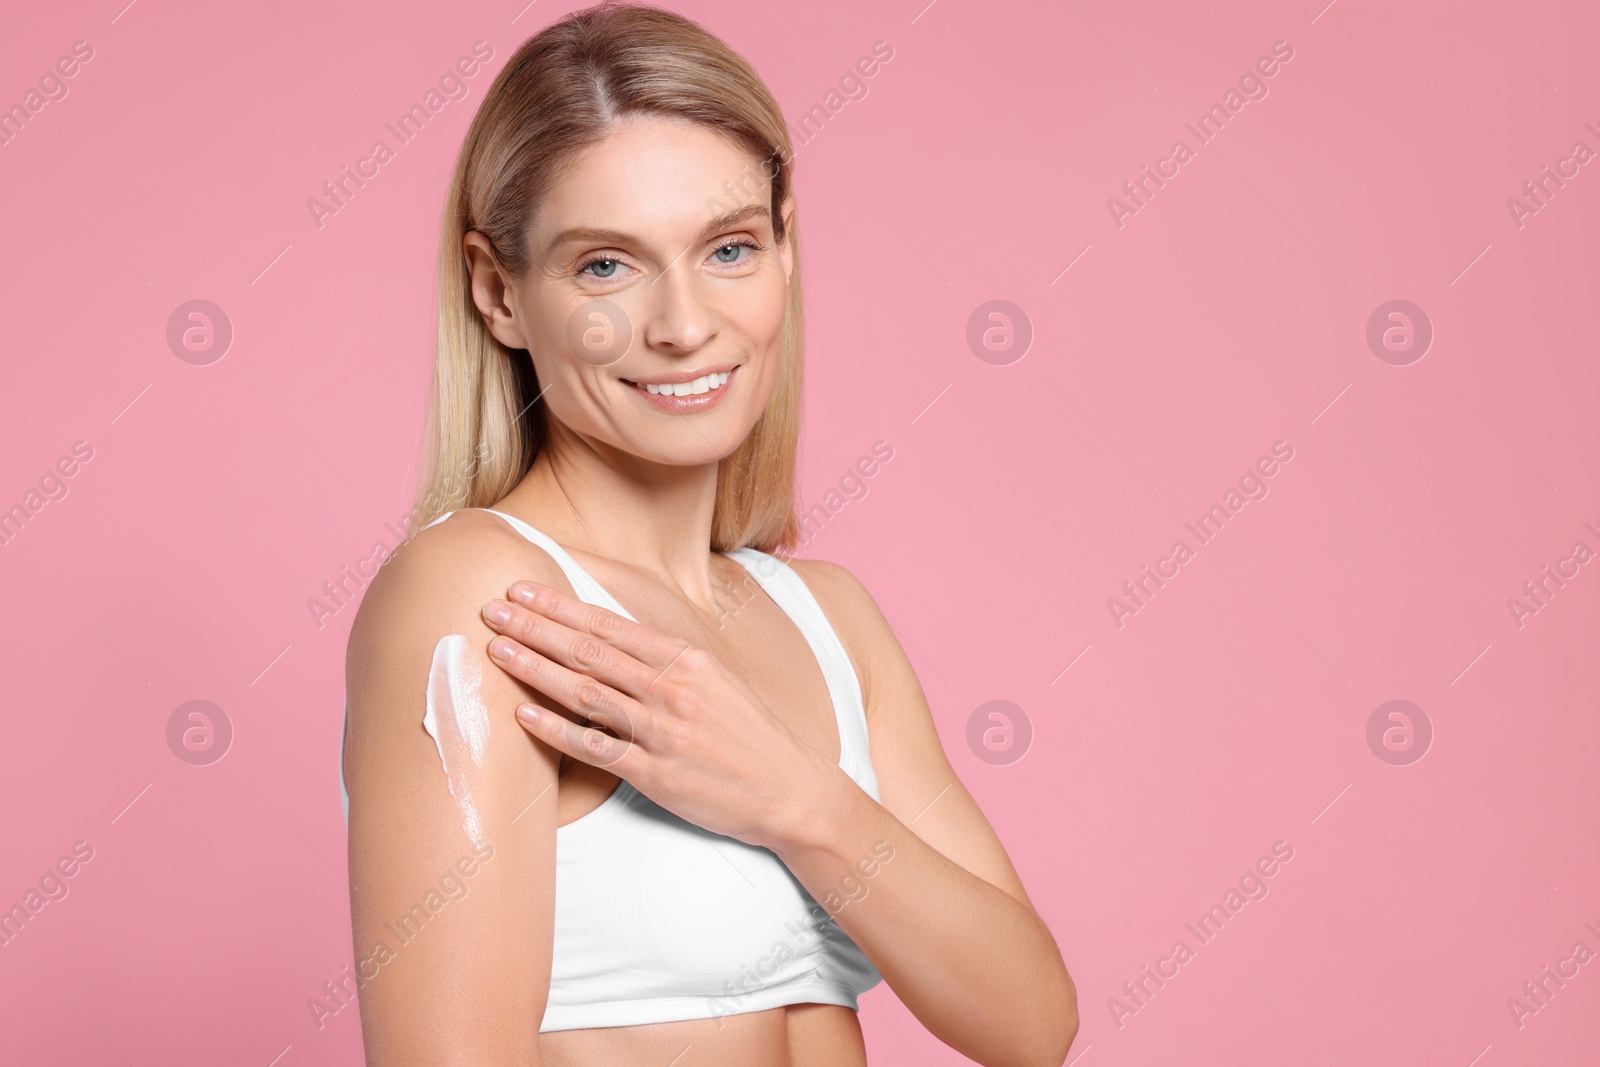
[651, 175]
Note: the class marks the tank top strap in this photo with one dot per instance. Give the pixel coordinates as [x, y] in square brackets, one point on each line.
[584, 584]
[791, 594]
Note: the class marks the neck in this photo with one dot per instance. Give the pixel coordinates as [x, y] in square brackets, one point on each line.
[652, 516]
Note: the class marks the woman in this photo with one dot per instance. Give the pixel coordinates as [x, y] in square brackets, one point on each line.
[730, 813]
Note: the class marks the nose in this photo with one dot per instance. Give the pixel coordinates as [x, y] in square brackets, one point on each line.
[679, 318]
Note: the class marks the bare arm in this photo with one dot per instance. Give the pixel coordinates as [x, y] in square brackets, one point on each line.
[452, 916]
[945, 920]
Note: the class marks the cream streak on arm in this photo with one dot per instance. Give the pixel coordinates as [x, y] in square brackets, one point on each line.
[457, 718]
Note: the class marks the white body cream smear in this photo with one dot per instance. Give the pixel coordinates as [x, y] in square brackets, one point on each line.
[458, 721]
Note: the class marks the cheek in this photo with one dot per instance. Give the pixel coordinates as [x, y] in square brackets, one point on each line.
[552, 328]
[760, 313]
[762, 320]
[547, 324]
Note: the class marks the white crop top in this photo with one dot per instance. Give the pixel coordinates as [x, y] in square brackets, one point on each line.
[658, 919]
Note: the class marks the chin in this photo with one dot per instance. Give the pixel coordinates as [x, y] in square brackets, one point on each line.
[688, 446]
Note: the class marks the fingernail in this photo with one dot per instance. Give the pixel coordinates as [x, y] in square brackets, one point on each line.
[497, 611]
[501, 648]
[528, 714]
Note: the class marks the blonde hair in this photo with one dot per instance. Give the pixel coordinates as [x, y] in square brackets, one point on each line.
[563, 89]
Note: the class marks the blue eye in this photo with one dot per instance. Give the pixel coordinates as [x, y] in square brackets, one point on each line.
[606, 268]
[734, 247]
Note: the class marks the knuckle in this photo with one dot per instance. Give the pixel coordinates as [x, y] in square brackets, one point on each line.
[696, 662]
[680, 697]
[521, 661]
[673, 737]
[604, 624]
[587, 651]
[597, 742]
[590, 695]
[527, 626]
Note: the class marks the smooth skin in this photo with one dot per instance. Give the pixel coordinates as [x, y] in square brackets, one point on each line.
[712, 704]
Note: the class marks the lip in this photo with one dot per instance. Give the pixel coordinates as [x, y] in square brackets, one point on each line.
[681, 376]
[685, 405]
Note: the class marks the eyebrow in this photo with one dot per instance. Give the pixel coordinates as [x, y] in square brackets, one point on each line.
[600, 235]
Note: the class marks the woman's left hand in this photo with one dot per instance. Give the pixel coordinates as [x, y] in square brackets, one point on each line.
[683, 729]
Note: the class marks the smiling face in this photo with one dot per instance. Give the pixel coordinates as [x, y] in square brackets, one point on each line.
[654, 306]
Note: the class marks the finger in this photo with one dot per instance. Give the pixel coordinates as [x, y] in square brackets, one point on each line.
[590, 744]
[579, 649]
[650, 647]
[593, 700]
[573, 649]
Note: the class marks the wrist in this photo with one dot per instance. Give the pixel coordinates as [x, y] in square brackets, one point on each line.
[815, 811]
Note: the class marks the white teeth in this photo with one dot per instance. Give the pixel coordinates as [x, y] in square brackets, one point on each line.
[703, 384]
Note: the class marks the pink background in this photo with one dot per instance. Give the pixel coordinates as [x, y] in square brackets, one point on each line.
[1229, 313]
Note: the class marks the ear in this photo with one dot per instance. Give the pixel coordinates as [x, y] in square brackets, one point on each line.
[491, 292]
[786, 249]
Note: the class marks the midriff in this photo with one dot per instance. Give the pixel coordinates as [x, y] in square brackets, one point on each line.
[797, 1035]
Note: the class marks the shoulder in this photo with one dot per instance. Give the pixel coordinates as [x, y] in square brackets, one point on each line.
[856, 618]
[434, 586]
[439, 579]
